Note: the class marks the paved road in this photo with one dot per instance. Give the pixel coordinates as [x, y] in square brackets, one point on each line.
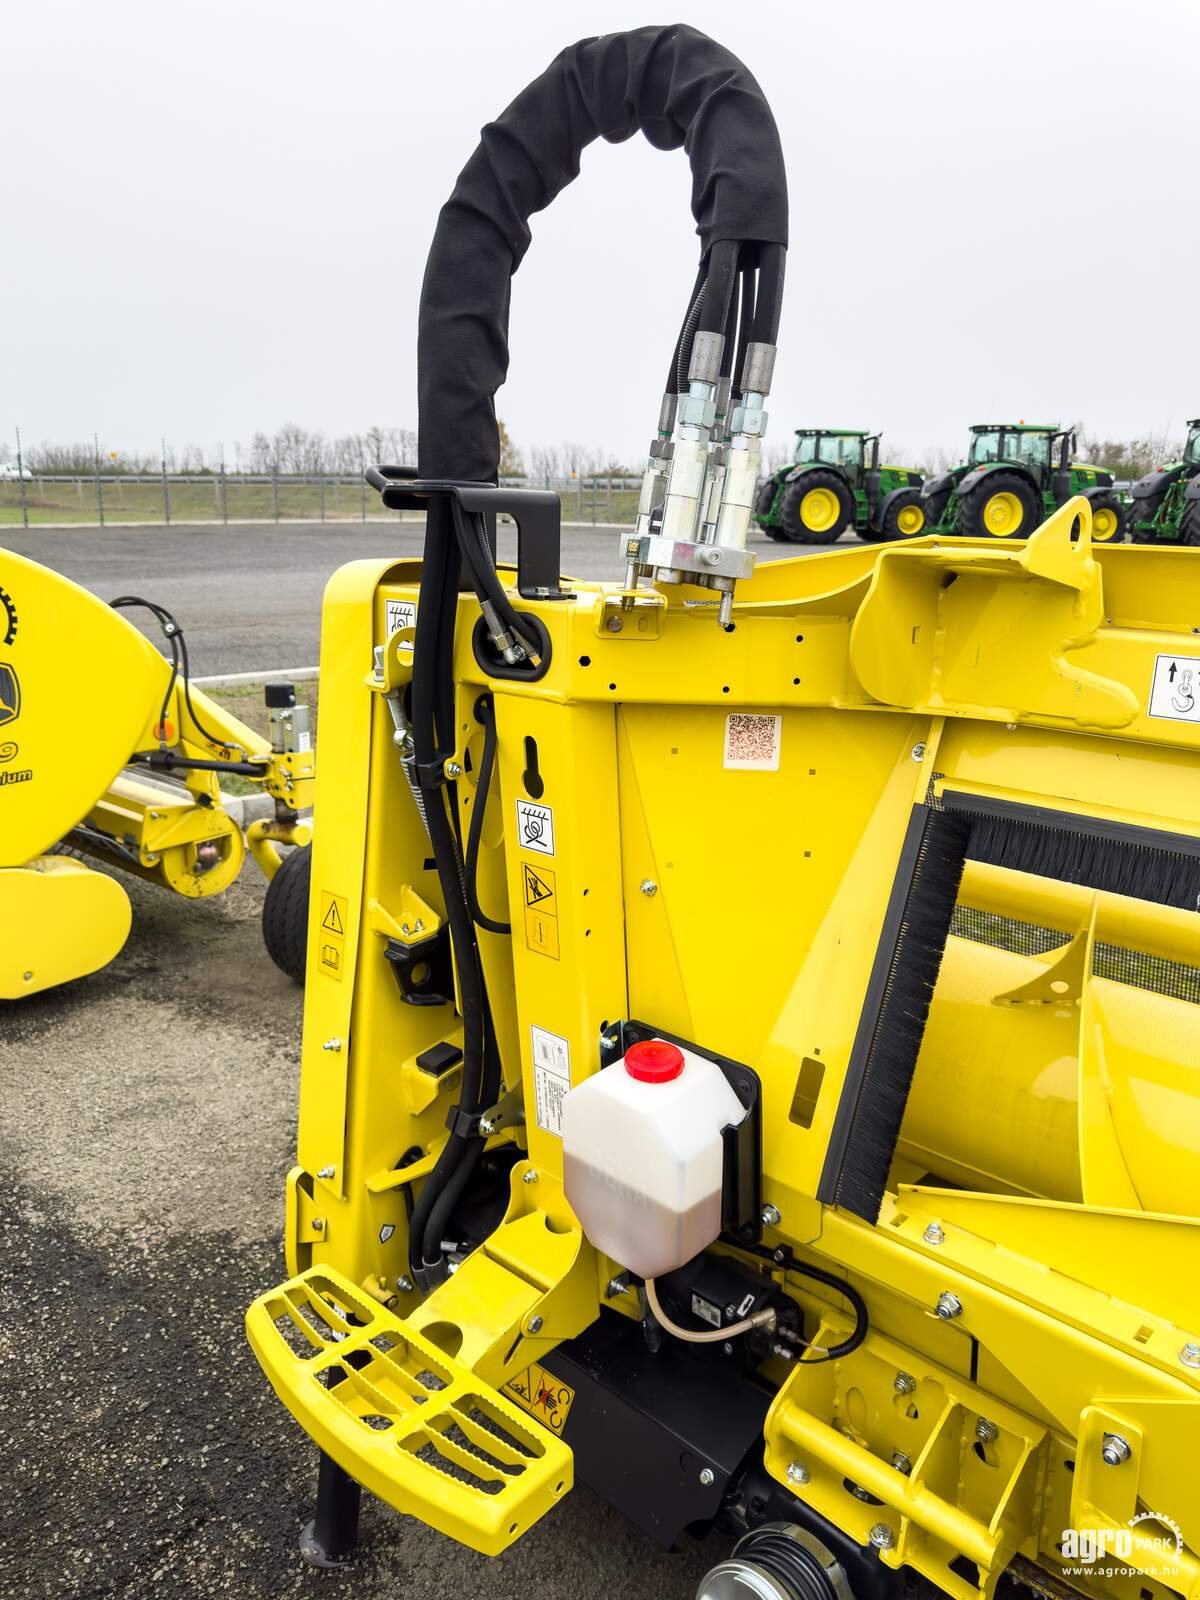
[249, 597]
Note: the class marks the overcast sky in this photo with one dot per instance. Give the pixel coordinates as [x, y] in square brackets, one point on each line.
[215, 216]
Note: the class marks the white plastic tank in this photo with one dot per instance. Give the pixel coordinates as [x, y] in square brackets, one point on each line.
[642, 1155]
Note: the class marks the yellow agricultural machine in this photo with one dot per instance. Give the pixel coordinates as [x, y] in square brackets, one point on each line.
[135, 785]
[751, 1052]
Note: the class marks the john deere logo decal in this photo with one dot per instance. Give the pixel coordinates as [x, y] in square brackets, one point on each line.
[10, 695]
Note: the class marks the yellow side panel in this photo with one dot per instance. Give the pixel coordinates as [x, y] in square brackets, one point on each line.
[61, 921]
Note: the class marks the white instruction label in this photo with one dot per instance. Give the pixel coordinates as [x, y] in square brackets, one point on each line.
[1175, 688]
[398, 614]
[535, 827]
[752, 742]
[551, 1077]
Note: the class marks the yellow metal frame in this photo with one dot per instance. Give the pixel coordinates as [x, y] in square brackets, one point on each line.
[739, 905]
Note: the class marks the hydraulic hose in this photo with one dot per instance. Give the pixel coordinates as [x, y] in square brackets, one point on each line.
[679, 88]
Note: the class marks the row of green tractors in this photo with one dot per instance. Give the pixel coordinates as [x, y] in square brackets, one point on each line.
[1015, 475]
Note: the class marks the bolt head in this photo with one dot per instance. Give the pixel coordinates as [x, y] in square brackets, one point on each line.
[714, 556]
[1114, 1451]
[986, 1432]
[901, 1462]
[707, 1476]
[648, 886]
[454, 769]
[904, 1383]
[881, 1536]
[934, 1234]
[797, 1472]
[534, 1325]
[614, 624]
[530, 1176]
[1190, 1354]
[615, 1286]
[404, 1284]
[770, 1216]
[318, 1224]
[326, 1172]
[487, 1127]
[948, 1306]
[918, 751]
[332, 1044]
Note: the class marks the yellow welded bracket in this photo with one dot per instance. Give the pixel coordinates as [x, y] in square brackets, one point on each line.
[530, 1285]
[410, 1422]
[940, 1470]
[936, 630]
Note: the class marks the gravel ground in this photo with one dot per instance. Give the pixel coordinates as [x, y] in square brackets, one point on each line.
[148, 1123]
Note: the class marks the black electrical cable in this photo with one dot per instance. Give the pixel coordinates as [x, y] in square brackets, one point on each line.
[485, 714]
[784, 1259]
[180, 666]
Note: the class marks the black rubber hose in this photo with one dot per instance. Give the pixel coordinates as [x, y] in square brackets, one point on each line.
[862, 1320]
[768, 301]
[749, 282]
[718, 286]
[679, 88]
[484, 713]
[672, 383]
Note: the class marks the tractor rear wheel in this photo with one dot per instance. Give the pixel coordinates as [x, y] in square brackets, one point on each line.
[764, 502]
[285, 912]
[904, 517]
[1189, 523]
[1003, 506]
[1108, 519]
[817, 508]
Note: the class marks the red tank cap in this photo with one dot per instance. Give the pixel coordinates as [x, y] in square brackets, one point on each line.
[654, 1061]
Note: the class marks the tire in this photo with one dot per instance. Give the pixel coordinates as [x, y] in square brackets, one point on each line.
[904, 517]
[764, 502]
[934, 507]
[1189, 523]
[285, 913]
[1004, 506]
[817, 508]
[1108, 519]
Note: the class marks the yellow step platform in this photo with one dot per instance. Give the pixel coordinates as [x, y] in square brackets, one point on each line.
[412, 1425]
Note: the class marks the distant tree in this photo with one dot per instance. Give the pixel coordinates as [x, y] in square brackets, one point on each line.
[512, 464]
[1130, 458]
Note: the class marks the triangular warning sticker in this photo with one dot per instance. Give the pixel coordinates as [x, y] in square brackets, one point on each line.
[331, 920]
[536, 888]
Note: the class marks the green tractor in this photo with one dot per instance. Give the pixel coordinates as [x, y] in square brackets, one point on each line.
[835, 482]
[1166, 502]
[1015, 475]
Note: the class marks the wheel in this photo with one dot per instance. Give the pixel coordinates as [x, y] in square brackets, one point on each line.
[1189, 523]
[817, 508]
[1108, 519]
[764, 502]
[904, 517]
[285, 913]
[1003, 506]
[934, 507]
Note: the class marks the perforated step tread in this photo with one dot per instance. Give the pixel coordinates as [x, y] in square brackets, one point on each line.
[408, 1422]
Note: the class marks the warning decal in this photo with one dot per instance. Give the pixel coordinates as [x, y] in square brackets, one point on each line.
[1175, 688]
[551, 1077]
[398, 614]
[543, 1395]
[752, 742]
[331, 946]
[535, 828]
[541, 910]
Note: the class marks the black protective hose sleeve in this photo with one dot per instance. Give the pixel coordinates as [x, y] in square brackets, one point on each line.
[674, 84]
[484, 713]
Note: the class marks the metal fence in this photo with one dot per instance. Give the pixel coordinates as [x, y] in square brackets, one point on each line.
[34, 499]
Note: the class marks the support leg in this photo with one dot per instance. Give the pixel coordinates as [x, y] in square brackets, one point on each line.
[329, 1539]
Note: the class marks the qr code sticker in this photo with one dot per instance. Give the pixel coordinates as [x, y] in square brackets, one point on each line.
[752, 742]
